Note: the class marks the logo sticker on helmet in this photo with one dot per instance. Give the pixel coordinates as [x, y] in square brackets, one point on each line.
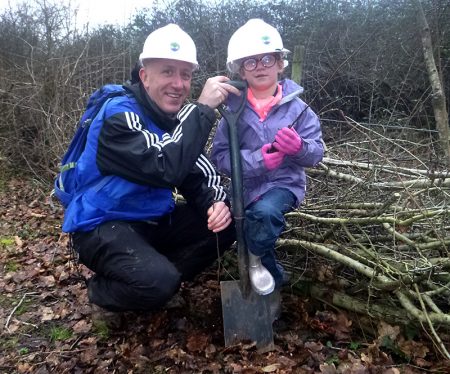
[266, 39]
[174, 46]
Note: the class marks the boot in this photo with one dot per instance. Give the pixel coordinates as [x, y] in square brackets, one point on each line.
[101, 317]
[260, 278]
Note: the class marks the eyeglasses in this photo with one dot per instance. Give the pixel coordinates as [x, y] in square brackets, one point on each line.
[267, 61]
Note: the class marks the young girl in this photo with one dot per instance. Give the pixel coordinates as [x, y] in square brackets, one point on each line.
[276, 145]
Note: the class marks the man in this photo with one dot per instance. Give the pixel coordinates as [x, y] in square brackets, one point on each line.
[125, 224]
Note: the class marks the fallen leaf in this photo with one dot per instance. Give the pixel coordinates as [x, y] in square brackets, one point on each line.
[18, 241]
[384, 329]
[155, 343]
[413, 349]
[47, 314]
[89, 355]
[23, 368]
[314, 346]
[89, 341]
[325, 273]
[13, 326]
[197, 342]
[286, 362]
[236, 367]
[38, 215]
[82, 327]
[210, 349]
[357, 368]
[391, 371]
[422, 363]
[270, 368]
[342, 327]
[214, 367]
[327, 369]
[48, 281]
[366, 358]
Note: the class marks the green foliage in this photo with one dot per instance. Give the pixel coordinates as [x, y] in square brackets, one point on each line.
[60, 333]
[391, 346]
[333, 360]
[3, 180]
[101, 329]
[23, 351]
[6, 241]
[412, 331]
[26, 232]
[11, 266]
[9, 342]
[23, 308]
[6, 302]
[159, 369]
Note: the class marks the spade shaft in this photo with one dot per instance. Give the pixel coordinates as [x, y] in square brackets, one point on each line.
[246, 315]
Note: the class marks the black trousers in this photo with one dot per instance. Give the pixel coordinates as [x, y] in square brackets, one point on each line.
[140, 265]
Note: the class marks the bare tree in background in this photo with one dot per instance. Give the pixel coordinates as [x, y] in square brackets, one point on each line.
[438, 98]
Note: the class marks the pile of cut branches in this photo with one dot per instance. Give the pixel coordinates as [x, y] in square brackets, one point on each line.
[373, 234]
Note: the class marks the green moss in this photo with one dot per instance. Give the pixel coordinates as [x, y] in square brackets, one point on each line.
[6, 241]
[23, 308]
[59, 333]
[11, 265]
[100, 328]
[9, 342]
[23, 351]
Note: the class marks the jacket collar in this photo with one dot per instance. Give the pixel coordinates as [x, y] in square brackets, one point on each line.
[163, 120]
[290, 91]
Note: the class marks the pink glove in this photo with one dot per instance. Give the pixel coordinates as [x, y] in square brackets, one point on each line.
[288, 141]
[271, 160]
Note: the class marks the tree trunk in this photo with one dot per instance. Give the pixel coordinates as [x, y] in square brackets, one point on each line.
[438, 96]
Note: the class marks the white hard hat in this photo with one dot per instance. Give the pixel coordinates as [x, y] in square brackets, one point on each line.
[253, 38]
[170, 42]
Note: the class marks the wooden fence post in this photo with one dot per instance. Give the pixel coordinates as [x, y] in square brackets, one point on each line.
[297, 63]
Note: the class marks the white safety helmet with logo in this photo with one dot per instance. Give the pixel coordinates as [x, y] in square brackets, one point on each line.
[170, 42]
[254, 38]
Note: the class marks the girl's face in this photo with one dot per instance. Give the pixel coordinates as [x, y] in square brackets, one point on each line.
[261, 71]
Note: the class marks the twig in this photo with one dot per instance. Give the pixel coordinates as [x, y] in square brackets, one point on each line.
[366, 251]
[368, 220]
[403, 238]
[437, 339]
[16, 307]
[382, 281]
[371, 166]
[418, 314]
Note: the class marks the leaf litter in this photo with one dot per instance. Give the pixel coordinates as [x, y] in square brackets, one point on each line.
[46, 326]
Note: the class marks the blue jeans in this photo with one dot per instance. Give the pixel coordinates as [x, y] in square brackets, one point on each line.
[264, 223]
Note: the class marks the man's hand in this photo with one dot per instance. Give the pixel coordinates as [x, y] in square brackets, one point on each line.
[216, 91]
[219, 217]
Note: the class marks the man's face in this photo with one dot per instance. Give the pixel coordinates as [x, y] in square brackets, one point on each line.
[167, 82]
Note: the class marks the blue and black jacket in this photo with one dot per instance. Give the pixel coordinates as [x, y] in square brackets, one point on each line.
[136, 156]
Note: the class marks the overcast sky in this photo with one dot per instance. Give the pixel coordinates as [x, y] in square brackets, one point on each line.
[98, 12]
[109, 11]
